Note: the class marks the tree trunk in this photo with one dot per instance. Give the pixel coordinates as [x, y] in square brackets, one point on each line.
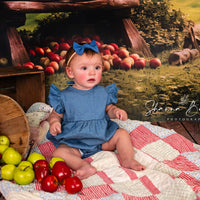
[66, 5]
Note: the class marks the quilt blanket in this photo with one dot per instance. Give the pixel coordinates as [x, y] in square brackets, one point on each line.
[172, 169]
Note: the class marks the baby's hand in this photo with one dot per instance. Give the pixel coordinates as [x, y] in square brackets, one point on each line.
[55, 128]
[121, 114]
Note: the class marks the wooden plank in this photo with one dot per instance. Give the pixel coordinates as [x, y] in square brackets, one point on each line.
[176, 126]
[16, 71]
[30, 89]
[18, 52]
[134, 39]
[194, 130]
[66, 5]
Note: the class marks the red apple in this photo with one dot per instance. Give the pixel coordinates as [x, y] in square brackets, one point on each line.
[54, 46]
[44, 61]
[135, 56]
[98, 44]
[49, 70]
[61, 171]
[85, 40]
[114, 45]
[154, 63]
[63, 53]
[55, 65]
[140, 63]
[106, 52]
[64, 46]
[53, 57]
[73, 185]
[46, 49]
[38, 67]
[116, 61]
[40, 163]
[29, 65]
[115, 56]
[41, 172]
[125, 65]
[123, 53]
[129, 59]
[39, 51]
[111, 48]
[31, 52]
[106, 57]
[106, 65]
[49, 183]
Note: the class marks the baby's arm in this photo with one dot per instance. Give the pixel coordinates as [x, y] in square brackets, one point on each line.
[115, 112]
[55, 123]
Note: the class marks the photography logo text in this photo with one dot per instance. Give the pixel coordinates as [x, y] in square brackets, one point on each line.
[190, 108]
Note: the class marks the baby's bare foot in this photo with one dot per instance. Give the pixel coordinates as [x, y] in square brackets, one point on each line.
[132, 164]
[85, 171]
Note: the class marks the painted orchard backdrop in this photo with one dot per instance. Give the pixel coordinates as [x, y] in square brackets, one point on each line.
[150, 50]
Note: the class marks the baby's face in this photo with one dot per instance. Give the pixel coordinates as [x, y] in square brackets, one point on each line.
[86, 70]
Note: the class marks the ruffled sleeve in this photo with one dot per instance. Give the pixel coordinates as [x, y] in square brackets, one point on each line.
[55, 99]
[112, 93]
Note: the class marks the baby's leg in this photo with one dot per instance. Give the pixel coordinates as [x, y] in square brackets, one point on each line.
[72, 157]
[121, 141]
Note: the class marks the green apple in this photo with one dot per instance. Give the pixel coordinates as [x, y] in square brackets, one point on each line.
[4, 140]
[7, 172]
[3, 147]
[54, 160]
[24, 175]
[33, 157]
[26, 163]
[11, 156]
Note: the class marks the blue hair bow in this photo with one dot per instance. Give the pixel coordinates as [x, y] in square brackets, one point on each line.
[79, 49]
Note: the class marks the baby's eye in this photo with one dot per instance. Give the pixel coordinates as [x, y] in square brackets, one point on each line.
[98, 67]
[84, 68]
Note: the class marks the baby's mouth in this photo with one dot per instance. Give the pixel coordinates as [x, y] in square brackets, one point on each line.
[91, 80]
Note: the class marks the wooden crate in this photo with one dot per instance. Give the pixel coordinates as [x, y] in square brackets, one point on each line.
[23, 85]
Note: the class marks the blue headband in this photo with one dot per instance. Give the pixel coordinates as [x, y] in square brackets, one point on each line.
[79, 49]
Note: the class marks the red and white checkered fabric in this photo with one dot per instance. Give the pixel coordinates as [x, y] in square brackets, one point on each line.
[172, 169]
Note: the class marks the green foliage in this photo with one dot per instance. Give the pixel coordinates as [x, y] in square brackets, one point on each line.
[161, 26]
[52, 25]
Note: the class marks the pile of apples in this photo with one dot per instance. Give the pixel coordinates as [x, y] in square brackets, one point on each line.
[56, 172]
[51, 57]
[23, 172]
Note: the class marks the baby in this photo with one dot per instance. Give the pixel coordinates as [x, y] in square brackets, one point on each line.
[80, 124]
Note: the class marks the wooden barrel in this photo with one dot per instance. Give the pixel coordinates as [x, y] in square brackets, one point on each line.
[14, 124]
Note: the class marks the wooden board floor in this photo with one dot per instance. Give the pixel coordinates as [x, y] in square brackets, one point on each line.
[188, 129]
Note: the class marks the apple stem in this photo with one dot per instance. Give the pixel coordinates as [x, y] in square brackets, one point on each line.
[26, 168]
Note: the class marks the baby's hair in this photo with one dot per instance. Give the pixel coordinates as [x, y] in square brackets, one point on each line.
[71, 52]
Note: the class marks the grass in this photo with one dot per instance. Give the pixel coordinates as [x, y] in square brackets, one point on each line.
[190, 8]
[166, 85]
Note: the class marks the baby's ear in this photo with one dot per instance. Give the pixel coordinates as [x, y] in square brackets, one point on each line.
[69, 72]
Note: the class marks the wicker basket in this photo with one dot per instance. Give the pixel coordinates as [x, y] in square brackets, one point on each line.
[14, 124]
